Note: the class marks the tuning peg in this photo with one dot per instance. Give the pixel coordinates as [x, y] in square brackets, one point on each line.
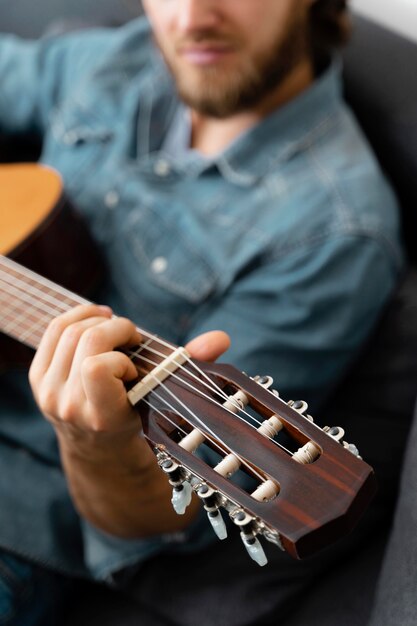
[217, 522]
[264, 381]
[181, 497]
[210, 502]
[334, 431]
[182, 490]
[248, 536]
[254, 549]
[300, 406]
[352, 448]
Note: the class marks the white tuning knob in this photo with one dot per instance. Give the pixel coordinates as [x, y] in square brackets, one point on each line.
[181, 497]
[217, 522]
[254, 548]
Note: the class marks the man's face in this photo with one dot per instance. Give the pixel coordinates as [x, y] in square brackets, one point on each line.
[226, 56]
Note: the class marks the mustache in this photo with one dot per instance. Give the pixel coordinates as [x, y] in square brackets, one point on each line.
[206, 38]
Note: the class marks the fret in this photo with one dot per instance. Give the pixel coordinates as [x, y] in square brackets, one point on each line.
[24, 326]
[34, 333]
[29, 302]
[49, 298]
[12, 315]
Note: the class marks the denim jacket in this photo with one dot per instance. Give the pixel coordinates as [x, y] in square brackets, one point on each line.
[288, 240]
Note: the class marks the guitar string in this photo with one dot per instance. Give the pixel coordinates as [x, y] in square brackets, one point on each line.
[41, 280]
[52, 311]
[179, 428]
[45, 308]
[198, 420]
[211, 385]
[204, 426]
[214, 443]
[213, 401]
[202, 382]
[152, 337]
[49, 310]
[48, 284]
[253, 418]
[47, 297]
[171, 421]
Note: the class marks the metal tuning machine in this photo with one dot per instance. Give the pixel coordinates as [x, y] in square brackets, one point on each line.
[178, 478]
[248, 533]
[210, 500]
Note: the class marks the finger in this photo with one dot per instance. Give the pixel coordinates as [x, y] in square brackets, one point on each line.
[209, 346]
[117, 332]
[62, 361]
[53, 333]
[103, 379]
[50, 388]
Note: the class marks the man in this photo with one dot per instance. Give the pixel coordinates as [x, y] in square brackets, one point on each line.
[233, 191]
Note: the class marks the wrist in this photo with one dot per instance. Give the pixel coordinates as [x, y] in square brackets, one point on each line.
[111, 450]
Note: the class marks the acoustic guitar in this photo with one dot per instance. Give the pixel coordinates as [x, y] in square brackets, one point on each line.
[309, 486]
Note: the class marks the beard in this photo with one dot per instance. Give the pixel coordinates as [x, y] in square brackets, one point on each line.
[221, 92]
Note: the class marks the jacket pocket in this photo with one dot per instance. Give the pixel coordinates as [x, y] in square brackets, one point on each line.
[161, 268]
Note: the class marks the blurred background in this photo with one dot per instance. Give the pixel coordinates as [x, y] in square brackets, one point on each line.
[399, 15]
[31, 19]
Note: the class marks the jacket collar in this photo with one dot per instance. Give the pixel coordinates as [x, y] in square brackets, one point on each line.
[276, 139]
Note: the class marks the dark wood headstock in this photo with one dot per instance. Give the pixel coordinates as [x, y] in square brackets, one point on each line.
[317, 502]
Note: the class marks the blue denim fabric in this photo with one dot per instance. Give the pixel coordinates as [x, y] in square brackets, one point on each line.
[288, 239]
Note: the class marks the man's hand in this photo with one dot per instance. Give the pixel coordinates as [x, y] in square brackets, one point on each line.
[78, 380]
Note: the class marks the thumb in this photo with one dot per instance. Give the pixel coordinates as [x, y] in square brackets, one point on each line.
[209, 346]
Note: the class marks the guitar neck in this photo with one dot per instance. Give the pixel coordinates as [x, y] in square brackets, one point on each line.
[30, 302]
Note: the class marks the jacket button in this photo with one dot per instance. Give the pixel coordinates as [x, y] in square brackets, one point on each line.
[162, 167]
[111, 199]
[70, 137]
[159, 264]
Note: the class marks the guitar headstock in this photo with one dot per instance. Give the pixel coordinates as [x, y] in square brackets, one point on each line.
[309, 487]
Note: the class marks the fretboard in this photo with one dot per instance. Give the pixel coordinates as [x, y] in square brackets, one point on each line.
[28, 302]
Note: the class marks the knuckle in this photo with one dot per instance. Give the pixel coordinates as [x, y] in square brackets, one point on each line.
[71, 334]
[93, 368]
[96, 424]
[47, 399]
[93, 337]
[68, 412]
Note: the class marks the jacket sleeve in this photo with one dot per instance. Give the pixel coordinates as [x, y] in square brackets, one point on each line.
[35, 76]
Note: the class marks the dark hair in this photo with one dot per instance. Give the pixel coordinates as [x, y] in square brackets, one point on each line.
[330, 26]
